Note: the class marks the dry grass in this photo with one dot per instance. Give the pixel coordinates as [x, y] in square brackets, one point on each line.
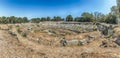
[44, 45]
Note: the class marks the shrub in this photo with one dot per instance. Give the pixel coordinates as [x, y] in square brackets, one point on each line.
[36, 31]
[17, 26]
[10, 27]
[24, 34]
[94, 28]
[19, 31]
[110, 35]
[79, 43]
[51, 31]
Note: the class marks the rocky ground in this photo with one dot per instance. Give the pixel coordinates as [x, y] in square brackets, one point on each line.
[40, 41]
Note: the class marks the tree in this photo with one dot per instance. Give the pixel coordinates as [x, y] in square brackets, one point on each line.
[118, 12]
[12, 19]
[111, 19]
[19, 20]
[96, 16]
[43, 19]
[25, 19]
[114, 10]
[99, 17]
[57, 18]
[35, 20]
[77, 19]
[69, 18]
[88, 17]
[54, 18]
[62, 19]
[48, 18]
[3, 19]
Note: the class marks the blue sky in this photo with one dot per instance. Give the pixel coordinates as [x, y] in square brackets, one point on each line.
[43, 8]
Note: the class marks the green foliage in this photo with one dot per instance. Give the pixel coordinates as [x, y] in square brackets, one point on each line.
[99, 17]
[25, 19]
[110, 35]
[48, 18]
[24, 34]
[19, 31]
[57, 18]
[79, 43]
[87, 16]
[43, 19]
[35, 20]
[52, 31]
[13, 19]
[17, 26]
[112, 19]
[69, 18]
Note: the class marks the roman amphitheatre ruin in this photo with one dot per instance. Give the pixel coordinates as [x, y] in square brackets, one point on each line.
[59, 40]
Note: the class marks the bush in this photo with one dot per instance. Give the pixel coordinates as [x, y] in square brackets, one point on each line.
[17, 26]
[79, 43]
[52, 31]
[111, 19]
[10, 27]
[110, 35]
[19, 31]
[24, 34]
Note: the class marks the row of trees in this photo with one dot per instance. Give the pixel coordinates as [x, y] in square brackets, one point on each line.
[13, 19]
[85, 17]
[37, 20]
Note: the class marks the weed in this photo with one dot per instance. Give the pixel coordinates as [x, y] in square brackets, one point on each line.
[24, 34]
[80, 43]
[19, 31]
